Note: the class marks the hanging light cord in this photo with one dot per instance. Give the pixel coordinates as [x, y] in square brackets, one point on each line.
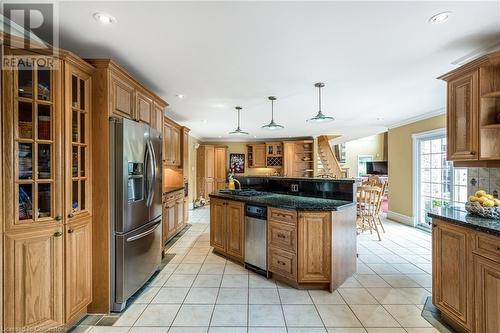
[272, 110]
[238, 118]
[319, 98]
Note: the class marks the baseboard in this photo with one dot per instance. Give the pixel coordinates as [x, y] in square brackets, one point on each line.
[404, 219]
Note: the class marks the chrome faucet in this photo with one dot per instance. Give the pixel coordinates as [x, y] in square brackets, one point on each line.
[237, 181]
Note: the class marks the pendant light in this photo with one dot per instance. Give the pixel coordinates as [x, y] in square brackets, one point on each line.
[238, 130]
[320, 117]
[272, 125]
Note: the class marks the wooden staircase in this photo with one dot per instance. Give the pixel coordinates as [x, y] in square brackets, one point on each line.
[328, 165]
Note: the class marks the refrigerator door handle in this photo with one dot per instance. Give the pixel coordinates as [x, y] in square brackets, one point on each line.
[144, 234]
[153, 172]
[147, 161]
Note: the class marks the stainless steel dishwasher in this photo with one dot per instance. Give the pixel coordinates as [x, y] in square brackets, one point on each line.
[256, 238]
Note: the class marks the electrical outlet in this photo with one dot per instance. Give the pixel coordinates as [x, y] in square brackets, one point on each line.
[295, 187]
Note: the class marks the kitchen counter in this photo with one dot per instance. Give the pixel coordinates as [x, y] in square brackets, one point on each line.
[170, 189]
[286, 201]
[461, 217]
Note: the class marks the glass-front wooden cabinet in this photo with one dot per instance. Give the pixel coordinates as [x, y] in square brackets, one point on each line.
[33, 146]
[77, 123]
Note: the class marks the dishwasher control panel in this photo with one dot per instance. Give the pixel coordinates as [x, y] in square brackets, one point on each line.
[259, 212]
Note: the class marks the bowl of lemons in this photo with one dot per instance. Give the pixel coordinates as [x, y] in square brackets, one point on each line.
[483, 204]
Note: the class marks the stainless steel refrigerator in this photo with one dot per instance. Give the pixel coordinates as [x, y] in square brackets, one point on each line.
[136, 195]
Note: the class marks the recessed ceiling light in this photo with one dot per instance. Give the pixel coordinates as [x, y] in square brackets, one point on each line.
[439, 18]
[181, 96]
[255, 136]
[104, 18]
[380, 118]
[220, 136]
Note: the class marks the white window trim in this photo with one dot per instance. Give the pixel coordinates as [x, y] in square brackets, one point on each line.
[416, 167]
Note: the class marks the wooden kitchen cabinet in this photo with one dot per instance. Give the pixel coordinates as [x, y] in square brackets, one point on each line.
[451, 276]
[257, 155]
[211, 169]
[220, 169]
[78, 267]
[227, 228]
[34, 280]
[157, 117]
[171, 143]
[487, 295]
[173, 219]
[144, 107]
[122, 96]
[314, 252]
[179, 214]
[282, 242]
[289, 159]
[463, 104]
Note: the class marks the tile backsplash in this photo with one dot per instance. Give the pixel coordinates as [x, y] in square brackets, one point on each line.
[487, 179]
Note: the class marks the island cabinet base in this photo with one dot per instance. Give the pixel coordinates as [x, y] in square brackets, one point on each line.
[466, 277]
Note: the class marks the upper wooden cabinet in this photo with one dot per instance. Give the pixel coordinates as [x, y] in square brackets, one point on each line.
[128, 97]
[463, 117]
[473, 105]
[185, 151]
[211, 169]
[257, 155]
[171, 143]
[157, 117]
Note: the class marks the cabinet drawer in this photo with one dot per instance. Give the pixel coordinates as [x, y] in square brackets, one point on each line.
[283, 263]
[283, 236]
[487, 246]
[179, 195]
[285, 216]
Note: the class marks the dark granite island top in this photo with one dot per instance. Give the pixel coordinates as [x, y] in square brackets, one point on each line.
[286, 201]
[460, 216]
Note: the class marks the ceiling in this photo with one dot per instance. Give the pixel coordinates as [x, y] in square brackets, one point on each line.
[379, 60]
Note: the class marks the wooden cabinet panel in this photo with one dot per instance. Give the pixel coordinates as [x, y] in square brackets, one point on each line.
[78, 267]
[235, 228]
[282, 236]
[179, 214]
[314, 251]
[487, 246]
[144, 107]
[167, 144]
[209, 162]
[282, 262]
[218, 228]
[288, 159]
[259, 156]
[463, 106]
[157, 117]
[282, 215]
[220, 163]
[185, 152]
[176, 146]
[452, 288]
[186, 210]
[34, 279]
[487, 295]
[122, 97]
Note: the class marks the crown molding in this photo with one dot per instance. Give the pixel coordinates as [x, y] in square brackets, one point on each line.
[424, 116]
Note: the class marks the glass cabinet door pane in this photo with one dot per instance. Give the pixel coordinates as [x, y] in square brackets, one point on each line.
[44, 161]
[82, 94]
[25, 120]
[82, 127]
[25, 82]
[44, 200]
[82, 161]
[25, 156]
[74, 163]
[44, 86]
[25, 201]
[44, 122]
[74, 196]
[82, 194]
[74, 91]
[74, 126]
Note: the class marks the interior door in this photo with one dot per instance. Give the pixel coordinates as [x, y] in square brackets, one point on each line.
[131, 162]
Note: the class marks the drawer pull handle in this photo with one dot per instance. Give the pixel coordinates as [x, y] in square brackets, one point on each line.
[58, 218]
[57, 234]
[70, 231]
[281, 263]
[281, 236]
[498, 248]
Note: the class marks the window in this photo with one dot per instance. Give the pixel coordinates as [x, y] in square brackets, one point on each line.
[362, 159]
[436, 182]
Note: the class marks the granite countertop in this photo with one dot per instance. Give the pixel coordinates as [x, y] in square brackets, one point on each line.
[460, 216]
[170, 189]
[286, 201]
[340, 180]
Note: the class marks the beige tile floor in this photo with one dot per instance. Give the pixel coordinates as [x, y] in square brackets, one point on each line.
[202, 292]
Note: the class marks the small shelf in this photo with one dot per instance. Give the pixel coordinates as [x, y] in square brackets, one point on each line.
[491, 94]
[491, 126]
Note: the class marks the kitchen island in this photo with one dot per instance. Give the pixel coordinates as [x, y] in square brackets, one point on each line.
[466, 270]
[310, 241]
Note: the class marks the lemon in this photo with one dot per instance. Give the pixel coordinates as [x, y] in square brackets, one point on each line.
[489, 196]
[480, 193]
[482, 200]
[488, 203]
[497, 202]
[473, 198]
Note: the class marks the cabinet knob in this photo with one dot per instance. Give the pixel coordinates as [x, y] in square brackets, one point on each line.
[58, 218]
[281, 236]
[71, 215]
[57, 234]
[473, 153]
[281, 263]
[70, 231]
